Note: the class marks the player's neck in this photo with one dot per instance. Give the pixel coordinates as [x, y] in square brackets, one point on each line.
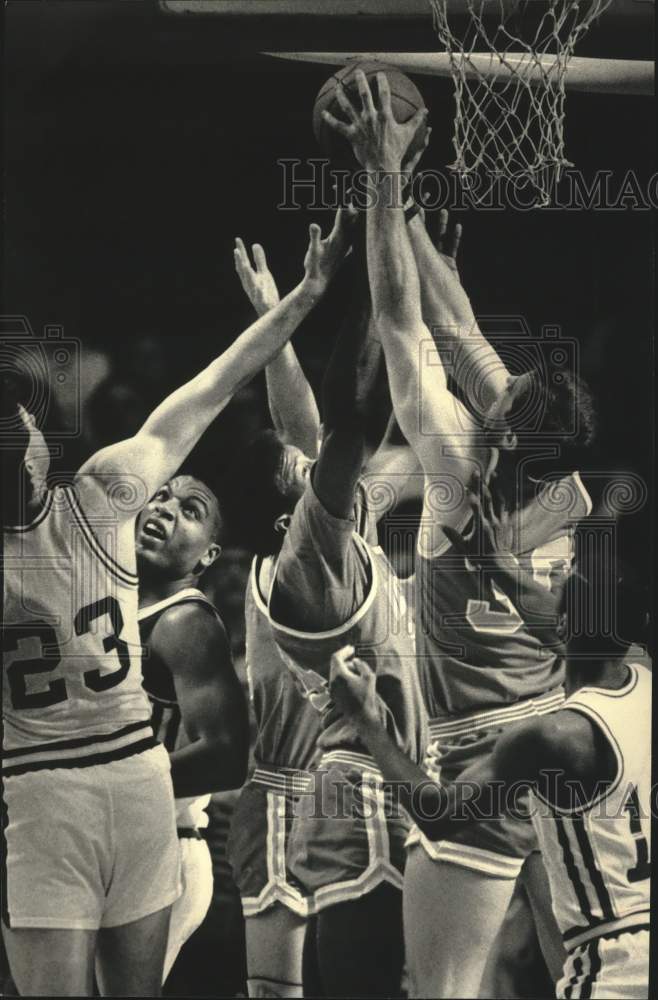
[152, 589]
[611, 674]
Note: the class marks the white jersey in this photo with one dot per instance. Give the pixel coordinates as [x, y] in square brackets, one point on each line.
[160, 686]
[598, 854]
[72, 677]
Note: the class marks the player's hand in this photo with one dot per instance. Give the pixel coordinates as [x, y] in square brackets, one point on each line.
[378, 141]
[352, 686]
[448, 240]
[37, 454]
[257, 282]
[324, 256]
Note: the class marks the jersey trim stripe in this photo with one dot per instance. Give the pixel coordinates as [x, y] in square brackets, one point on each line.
[539, 705]
[332, 632]
[39, 517]
[577, 973]
[189, 595]
[4, 822]
[632, 922]
[89, 761]
[81, 741]
[595, 876]
[572, 870]
[594, 969]
[124, 576]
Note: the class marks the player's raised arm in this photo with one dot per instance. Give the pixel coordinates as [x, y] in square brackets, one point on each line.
[291, 400]
[175, 426]
[435, 424]
[476, 366]
[347, 396]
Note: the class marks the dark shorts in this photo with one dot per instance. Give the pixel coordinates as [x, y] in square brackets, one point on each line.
[345, 840]
[257, 847]
[498, 846]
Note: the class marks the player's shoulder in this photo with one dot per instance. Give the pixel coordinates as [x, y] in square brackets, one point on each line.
[561, 740]
[191, 637]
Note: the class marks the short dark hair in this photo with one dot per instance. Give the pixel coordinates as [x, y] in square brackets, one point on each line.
[568, 413]
[255, 502]
[607, 609]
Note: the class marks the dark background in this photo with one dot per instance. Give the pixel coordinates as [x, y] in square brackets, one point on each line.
[139, 145]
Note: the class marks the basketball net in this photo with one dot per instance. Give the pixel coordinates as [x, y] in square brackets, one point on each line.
[510, 92]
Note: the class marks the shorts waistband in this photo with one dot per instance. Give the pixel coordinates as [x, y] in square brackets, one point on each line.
[286, 780]
[497, 717]
[82, 751]
[630, 924]
[353, 759]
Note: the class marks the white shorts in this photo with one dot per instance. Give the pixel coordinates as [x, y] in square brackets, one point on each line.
[90, 847]
[190, 908]
[608, 968]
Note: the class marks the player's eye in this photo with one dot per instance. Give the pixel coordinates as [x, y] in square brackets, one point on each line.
[194, 511]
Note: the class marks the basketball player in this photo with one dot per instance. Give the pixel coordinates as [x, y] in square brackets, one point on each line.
[198, 710]
[482, 671]
[329, 583]
[274, 908]
[92, 857]
[588, 765]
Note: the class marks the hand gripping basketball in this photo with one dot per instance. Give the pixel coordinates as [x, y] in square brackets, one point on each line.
[378, 140]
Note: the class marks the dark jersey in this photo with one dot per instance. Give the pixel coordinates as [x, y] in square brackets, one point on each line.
[474, 651]
[287, 724]
[328, 568]
[159, 686]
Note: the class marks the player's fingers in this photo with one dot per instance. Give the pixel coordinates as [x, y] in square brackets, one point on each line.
[260, 259]
[360, 667]
[365, 94]
[456, 240]
[414, 123]
[345, 103]
[443, 228]
[241, 250]
[339, 126]
[384, 92]
[315, 236]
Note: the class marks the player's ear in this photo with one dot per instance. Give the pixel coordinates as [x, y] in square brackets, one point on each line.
[282, 523]
[509, 440]
[211, 555]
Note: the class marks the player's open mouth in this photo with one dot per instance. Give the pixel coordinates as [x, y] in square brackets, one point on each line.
[154, 530]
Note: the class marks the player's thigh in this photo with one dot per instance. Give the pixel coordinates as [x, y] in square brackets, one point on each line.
[538, 889]
[191, 907]
[146, 875]
[130, 958]
[275, 946]
[452, 915]
[52, 962]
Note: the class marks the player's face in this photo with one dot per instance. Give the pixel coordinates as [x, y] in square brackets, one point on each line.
[496, 422]
[176, 530]
[293, 473]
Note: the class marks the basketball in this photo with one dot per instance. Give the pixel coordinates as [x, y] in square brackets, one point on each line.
[406, 99]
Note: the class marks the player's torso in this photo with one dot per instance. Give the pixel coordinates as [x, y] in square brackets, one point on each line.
[72, 653]
[598, 858]
[160, 687]
[474, 651]
[379, 631]
[288, 725]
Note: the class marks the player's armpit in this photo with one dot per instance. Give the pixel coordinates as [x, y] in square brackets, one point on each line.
[213, 710]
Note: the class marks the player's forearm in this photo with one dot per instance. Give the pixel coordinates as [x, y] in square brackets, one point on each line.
[208, 765]
[183, 417]
[392, 269]
[292, 402]
[447, 311]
